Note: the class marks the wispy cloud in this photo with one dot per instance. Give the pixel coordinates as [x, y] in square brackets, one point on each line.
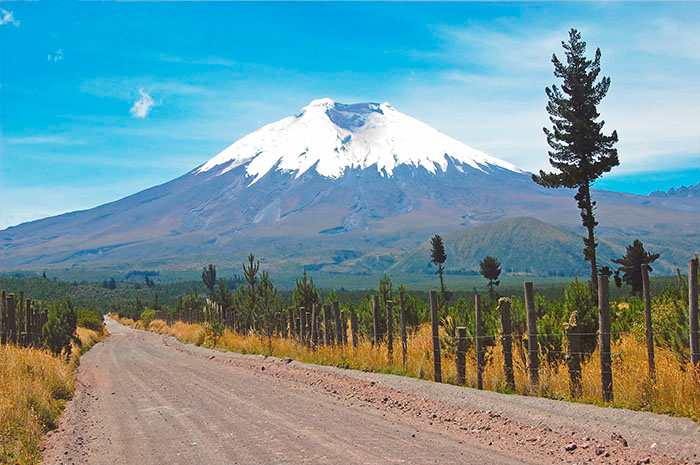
[56, 57]
[496, 78]
[143, 105]
[8, 17]
[208, 61]
[526, 49]
[43, 140]
[120, 87]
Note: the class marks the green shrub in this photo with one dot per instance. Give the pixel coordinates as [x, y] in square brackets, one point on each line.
[90, 319]
[147, 316]
[59, 330]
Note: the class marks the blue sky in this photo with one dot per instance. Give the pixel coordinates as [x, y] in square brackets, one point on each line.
[100, 100]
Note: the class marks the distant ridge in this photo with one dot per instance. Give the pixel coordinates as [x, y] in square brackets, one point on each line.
[682, 192]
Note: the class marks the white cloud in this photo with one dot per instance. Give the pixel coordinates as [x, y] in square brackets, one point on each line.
[143, 105]
[7, 17]
[56, 57]
[495, 89]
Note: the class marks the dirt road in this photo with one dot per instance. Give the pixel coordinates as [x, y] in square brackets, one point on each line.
[147, 399]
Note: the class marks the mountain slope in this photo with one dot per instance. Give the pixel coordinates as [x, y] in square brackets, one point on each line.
[522, 244]
[323, 189]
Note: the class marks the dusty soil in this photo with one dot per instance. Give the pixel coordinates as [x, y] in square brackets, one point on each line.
[144, 398]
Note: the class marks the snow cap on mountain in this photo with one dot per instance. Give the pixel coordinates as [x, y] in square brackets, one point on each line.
[331, 137]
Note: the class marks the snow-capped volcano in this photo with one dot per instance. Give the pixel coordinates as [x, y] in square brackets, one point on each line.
[338, 188]
[331, 137]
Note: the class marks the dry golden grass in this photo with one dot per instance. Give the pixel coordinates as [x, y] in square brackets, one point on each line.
[34, 387]
[676, 392]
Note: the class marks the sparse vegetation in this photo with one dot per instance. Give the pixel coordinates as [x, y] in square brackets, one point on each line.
[34, 387]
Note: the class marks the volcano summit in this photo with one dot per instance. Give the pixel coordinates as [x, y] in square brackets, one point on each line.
[331, 137]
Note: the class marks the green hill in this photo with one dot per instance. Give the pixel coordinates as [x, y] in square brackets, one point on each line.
[522, 245]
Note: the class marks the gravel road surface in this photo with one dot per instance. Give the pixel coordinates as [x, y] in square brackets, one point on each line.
[144, 398]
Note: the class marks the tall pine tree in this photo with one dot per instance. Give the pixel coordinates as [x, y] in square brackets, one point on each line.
[580, 151]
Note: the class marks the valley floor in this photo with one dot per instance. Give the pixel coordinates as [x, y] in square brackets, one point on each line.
[145, 398]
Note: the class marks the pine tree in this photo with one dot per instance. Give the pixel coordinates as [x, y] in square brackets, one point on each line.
[631, 266]
[250, 273]
[386, 289]
[438, 257]
[490, 268]
[246, 297]
[580, 151]
[305, 293]
[268, 307]
[209, 277]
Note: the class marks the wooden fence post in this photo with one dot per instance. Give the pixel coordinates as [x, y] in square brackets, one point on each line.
[308, 326]
[461, 361]
[436, 336]
[604, 343]
[302, 325]
[33, 331]
[573, 356]
[344, 325]
[290, 329]
[3, 319]
[507, 341]
[28, 329]
[532, 347]
[479, 330]
[353, 328]
[390, 330]
[19, 312]
[12, 319]
[326, 324]
[44, 318]
[36, 329]
[338, 325]
[693, 311]
[375, 316]
[402, 316]
[646, 291]
[314, 325]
